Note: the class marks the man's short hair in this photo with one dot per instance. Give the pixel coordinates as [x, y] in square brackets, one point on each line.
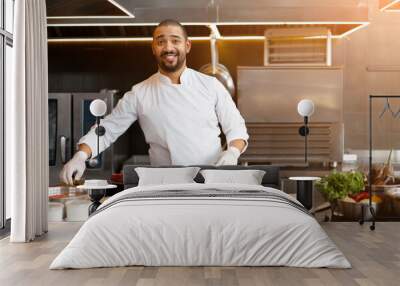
[171, 22]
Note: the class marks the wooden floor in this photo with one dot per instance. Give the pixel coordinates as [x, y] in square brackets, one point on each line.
[375, 257]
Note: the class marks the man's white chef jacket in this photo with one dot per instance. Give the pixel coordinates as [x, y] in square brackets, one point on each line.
[179, 121]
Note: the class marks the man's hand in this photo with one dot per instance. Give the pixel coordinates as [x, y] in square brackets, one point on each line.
[229, 157]
[74, 166]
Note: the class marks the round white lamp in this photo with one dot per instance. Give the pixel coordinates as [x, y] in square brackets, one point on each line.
[97, 188]
[98, 108]
[305, 108]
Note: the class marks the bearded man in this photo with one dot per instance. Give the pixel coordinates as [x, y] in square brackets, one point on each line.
[179, 111]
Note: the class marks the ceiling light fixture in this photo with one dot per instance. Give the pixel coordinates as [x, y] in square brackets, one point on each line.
[119, 24]
[123, 9]
[345, 34]
[207, 23]
[87, 17]
[293, 23]
[124, 39]
[242, 38]
[141, 39]
[387, 7]
[214, 28]
[227, 38]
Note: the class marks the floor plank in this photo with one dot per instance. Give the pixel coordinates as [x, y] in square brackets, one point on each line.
[375, 257]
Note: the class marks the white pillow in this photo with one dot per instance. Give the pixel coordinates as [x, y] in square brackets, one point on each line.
[165, 176]
[248, 177]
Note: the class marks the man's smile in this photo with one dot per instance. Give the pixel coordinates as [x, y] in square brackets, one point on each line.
[169, 56]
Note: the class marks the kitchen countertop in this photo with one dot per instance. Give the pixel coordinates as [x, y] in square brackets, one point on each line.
[314, 169]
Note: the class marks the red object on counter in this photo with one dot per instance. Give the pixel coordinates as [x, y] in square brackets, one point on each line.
[117, 178]
[57, 196]
[360, 196]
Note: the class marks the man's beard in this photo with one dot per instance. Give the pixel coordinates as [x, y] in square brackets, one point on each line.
[180, 60]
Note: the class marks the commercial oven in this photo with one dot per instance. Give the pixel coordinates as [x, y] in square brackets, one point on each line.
[69, 120]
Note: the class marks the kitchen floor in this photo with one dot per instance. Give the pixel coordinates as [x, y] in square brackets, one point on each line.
[375, 257]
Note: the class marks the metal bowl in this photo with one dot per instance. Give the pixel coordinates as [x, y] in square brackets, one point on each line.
[222, 74]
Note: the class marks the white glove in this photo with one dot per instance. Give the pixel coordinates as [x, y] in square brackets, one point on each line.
[229, 157]
[74, 166]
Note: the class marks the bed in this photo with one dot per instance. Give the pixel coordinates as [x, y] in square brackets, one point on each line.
[197, 224]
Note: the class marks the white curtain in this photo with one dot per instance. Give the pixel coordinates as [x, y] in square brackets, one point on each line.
[26, 123]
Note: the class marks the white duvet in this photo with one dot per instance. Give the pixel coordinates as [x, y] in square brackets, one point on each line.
[192, 231]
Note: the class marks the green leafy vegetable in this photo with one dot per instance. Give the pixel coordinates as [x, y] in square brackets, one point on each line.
[338, 185]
